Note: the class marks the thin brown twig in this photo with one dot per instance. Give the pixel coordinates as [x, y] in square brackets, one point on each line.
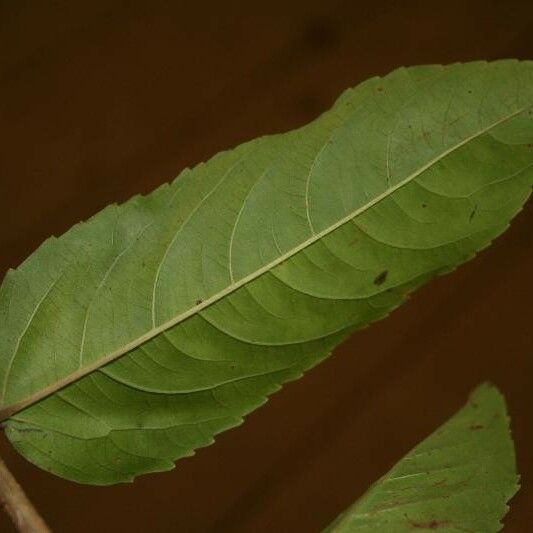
[18, 506]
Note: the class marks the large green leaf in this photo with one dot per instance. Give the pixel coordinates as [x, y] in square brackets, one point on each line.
[161, 322]
[459, 479]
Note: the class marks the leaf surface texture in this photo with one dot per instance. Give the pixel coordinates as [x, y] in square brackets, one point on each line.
[161, 322]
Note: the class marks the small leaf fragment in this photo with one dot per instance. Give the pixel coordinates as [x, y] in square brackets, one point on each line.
[458, 479]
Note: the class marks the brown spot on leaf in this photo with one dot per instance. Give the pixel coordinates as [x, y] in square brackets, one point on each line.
[432, 524]
[381, 278]
[380, 89]
[387, 505]
[199, 301]
[424, 205]
[475, 427]
[473, 213]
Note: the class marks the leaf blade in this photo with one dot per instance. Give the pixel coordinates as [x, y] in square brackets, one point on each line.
[296, 296]
[460, 478]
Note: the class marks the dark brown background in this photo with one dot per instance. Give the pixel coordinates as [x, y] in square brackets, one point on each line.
[100, 100]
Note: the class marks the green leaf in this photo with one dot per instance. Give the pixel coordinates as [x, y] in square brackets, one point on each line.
[458, 479]
[138, 335]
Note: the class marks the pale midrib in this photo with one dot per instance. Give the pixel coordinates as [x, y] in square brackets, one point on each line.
[154, 332]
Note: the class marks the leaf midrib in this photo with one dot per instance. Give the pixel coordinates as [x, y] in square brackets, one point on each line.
[10, 410]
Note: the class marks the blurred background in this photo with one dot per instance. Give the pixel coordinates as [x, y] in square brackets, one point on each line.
[101, 100]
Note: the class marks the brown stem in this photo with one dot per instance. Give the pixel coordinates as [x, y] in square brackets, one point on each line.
[18, 506]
